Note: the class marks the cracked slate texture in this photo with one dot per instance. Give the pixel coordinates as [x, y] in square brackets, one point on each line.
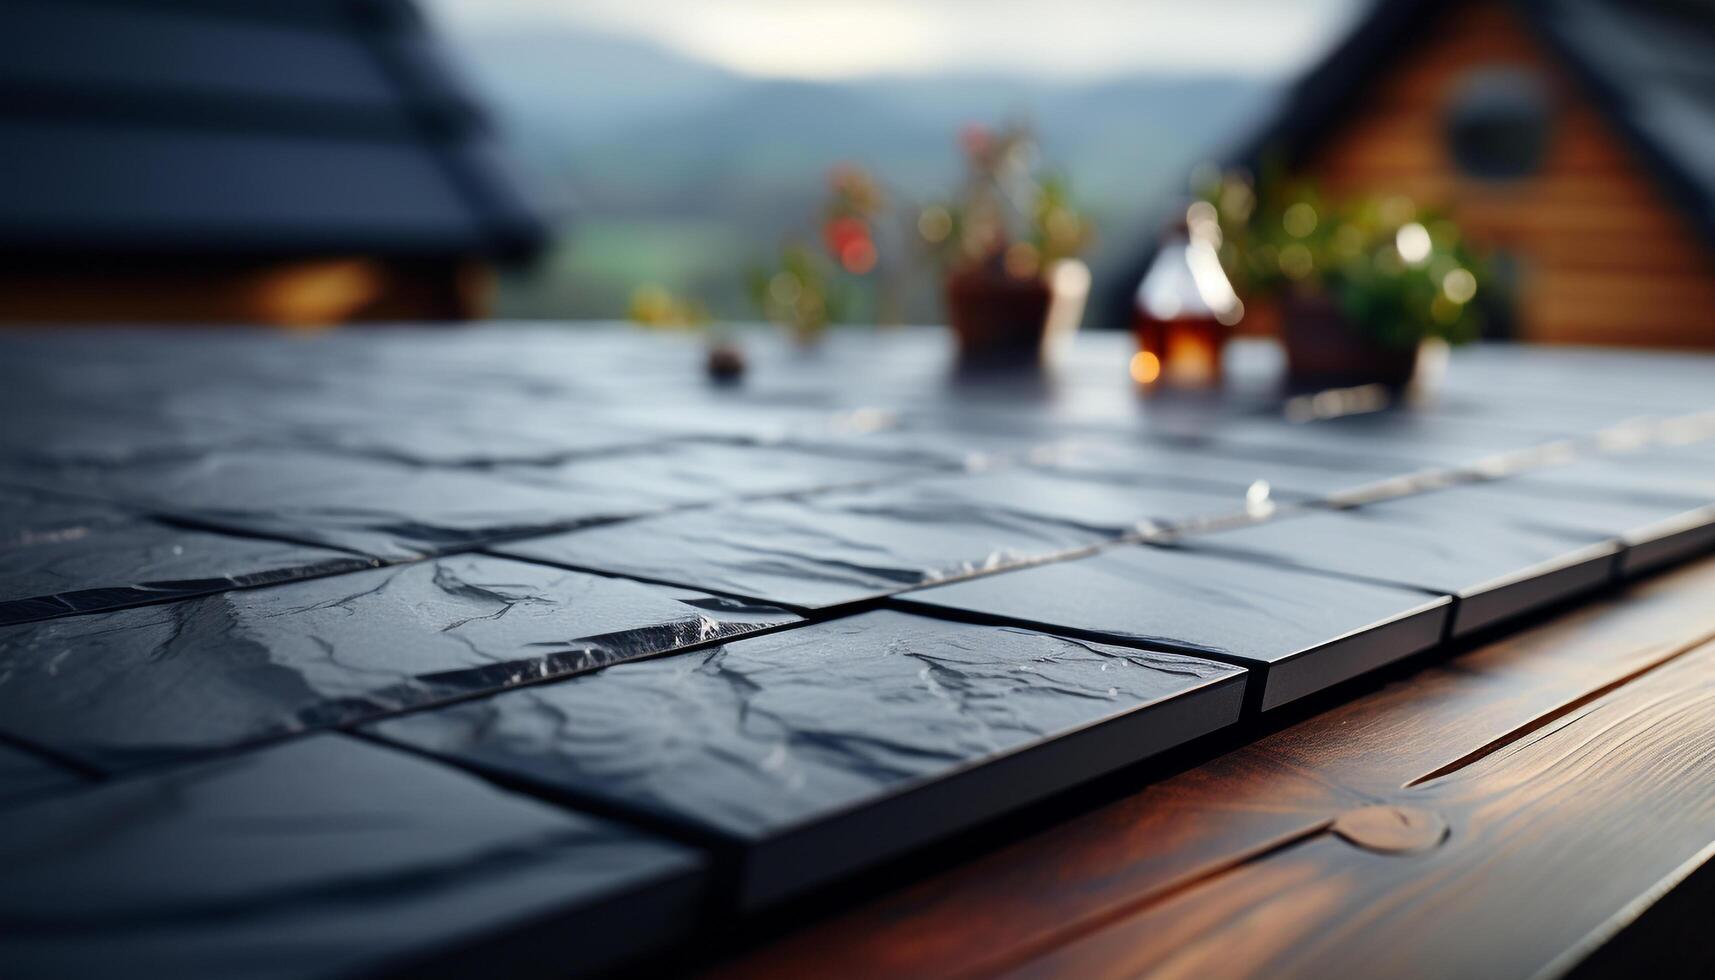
[326, 856]
[839, 547]
[822, 749]
[60, 557]
[137, 686]
[1297, 631]
[394, 511]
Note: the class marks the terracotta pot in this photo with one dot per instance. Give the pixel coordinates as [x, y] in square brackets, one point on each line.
[1325, 350]
[999, 318]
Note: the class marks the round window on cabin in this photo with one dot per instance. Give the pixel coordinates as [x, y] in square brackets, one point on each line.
[1499, 122]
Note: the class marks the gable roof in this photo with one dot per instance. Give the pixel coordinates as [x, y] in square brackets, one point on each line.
[1648, 67]
[238, 127]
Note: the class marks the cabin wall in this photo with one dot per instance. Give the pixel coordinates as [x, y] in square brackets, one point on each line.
[308, 293]
[1602, 254]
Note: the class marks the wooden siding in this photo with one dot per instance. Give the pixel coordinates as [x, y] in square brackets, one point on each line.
[1603, 254]
[292, 293]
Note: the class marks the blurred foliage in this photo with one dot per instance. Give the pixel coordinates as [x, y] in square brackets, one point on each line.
[654, 305]
[1398, 271]
[801, 291]
[855, 202]
[806, 289]
[1009, 213]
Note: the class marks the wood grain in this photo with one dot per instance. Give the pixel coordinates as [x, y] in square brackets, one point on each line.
[1605, 255]
[1573, 766]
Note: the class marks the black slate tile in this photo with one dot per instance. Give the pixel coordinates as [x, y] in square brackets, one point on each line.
[1659, 505]
[1661, 513]
[933, 442]
[1576, 383]
[1286, 478]
[1690, 436]
[1297, 631]
[1644, 479]
[426, 429]
[60, 557]
[833, 548]
[1466, 542]
[136, 686]
[26, 775]
[327, 856]
[693, 473]
[818, 751]
[1400, 439]
[394, 511]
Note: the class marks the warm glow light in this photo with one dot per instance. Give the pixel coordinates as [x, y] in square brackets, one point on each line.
[1211, 282]
[1258, 501]
[935, 224]
[1145, 367]
[317, 294]
[1192, 357]
[1203, 222]
[1459, 285]
[1299, 220]
[1413, 243]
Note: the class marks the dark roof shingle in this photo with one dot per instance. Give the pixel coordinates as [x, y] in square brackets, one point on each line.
[196, 126]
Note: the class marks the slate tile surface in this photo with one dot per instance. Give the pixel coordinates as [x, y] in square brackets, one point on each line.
[26, 775]
[822, 749]
[1287, 478]
[692, 473]
[141, 685]
[398, 512]
[1297, 631]
[1401, 440]
[1653, 475]
[834, 548]
[799, 755]
[1660, 511]
[326, 856]
[1467, 542]
[59, 557]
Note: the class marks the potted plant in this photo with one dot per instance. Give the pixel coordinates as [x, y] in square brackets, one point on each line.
[1008, 248]
[1357, 284]
[807, 288]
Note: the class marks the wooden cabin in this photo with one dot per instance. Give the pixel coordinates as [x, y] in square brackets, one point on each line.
[1573, 138]
[298, 162]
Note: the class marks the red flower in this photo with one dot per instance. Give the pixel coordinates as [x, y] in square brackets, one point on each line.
[839, 234]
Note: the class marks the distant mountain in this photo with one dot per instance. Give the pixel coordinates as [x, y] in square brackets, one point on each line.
[554, 86]
[638, 135]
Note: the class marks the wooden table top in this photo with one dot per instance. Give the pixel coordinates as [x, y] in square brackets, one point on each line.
[1504, 812]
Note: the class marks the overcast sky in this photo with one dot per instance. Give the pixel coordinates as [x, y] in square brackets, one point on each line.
[842, 38]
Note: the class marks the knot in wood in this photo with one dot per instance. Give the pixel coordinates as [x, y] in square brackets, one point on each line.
[1388, 829]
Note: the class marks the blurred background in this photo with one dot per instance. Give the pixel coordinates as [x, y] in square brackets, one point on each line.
[681, 135]
[327, 161]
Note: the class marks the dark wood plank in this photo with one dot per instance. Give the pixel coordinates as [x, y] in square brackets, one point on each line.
[1572, 763]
